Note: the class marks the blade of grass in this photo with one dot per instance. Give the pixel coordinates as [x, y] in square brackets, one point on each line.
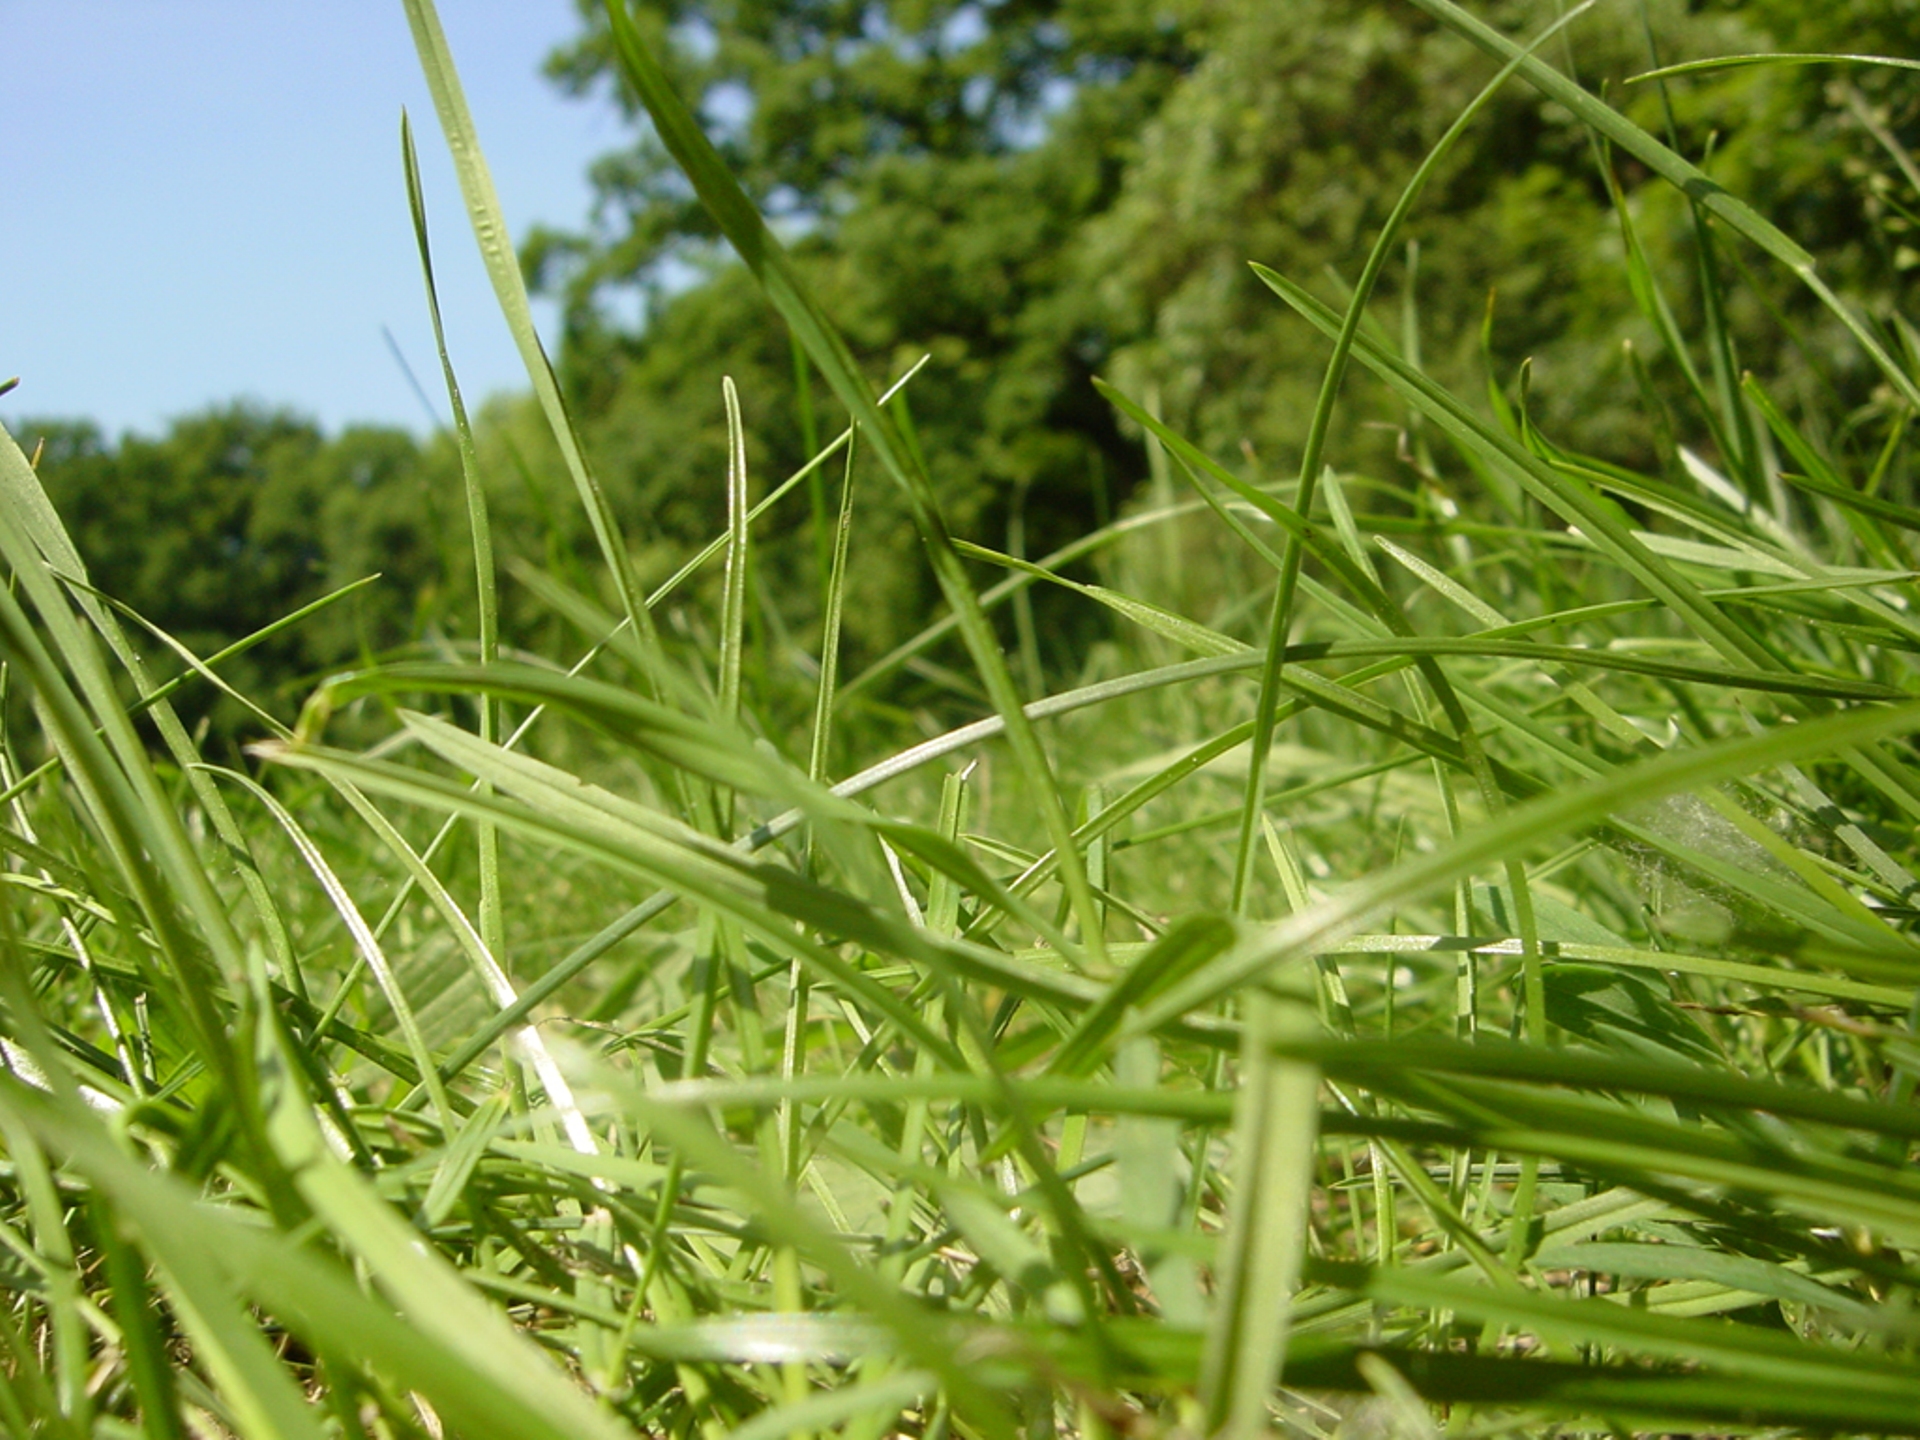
[365, 944]
[763, 255]
[1275, 1127]
[510, 290]
[1280, 622]
[1776, 57]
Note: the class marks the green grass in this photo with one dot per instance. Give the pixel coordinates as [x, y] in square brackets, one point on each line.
[1444, 966]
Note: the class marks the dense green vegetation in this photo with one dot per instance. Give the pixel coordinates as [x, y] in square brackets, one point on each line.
[1414, 936]
[1034, 194]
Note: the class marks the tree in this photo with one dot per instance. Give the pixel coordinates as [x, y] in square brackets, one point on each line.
[1291, 143]
[1036, 192]
[238, 516]
[899, 146]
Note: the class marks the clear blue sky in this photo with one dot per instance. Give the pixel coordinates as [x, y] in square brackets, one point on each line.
[203, 201]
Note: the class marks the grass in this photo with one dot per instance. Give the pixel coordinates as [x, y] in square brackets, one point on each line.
[1452, 974]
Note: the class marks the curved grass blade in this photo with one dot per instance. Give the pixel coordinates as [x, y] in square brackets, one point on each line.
[480, 531]
[1742, 1273]
[885, 1397]
[1359, 1059]
[763, 255]
[1280, 622]
[1777, 57]
[1664, 1399]
[365, 943]
[1763, 1358]
[510, 290]
[733, 598]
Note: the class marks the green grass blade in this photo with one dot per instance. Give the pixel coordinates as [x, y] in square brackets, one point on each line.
[885, 1397]
[1777, 57]
[1586, 1071]
[1764, 1358]
[148, 1364]
[480, 531]
[1156, 619]
[733, 602]
[510, 290]
[820, 746]
[1280, 622]
[1275, 1126]
[368, 947]
[763, 255]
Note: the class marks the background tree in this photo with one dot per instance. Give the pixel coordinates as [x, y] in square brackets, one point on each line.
[1037, 192]
[238, 516]
[933, 164]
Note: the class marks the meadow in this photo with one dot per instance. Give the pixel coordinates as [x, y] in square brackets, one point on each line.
[1442, 964]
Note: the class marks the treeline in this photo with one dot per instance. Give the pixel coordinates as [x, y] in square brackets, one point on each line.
[1036, 192]
[240, 516]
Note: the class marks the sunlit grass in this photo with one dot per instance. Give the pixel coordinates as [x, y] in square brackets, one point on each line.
[1443, 964]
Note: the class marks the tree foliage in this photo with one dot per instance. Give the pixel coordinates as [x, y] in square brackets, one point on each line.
[1036, 193]
[238, 516]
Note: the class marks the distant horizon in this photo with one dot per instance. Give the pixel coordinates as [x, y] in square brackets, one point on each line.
[214, 211]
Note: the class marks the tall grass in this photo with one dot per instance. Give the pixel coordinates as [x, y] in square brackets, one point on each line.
[1455, 974]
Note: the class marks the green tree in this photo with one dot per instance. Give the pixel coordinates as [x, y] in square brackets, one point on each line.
[1034, 193]
[239, 516]
[1289, 143]
[933, 164]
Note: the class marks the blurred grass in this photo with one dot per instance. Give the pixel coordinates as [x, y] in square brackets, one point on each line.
[1522, 1042]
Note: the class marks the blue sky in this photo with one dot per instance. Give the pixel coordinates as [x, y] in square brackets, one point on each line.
[203, 201]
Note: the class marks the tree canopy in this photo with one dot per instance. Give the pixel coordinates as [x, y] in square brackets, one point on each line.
[238, 516]
[1036, 193]
[1033, 193]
